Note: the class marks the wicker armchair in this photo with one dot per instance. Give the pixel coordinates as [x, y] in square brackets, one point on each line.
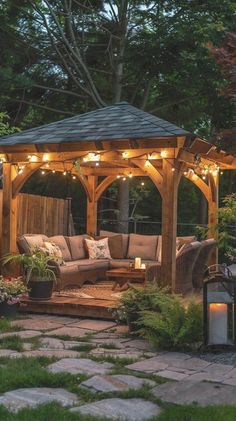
[185, 262]
[202, 262]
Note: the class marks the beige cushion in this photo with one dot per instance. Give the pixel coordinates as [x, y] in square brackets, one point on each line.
[98, 249]
[115, 243]
[60, 241]
[77, 247]
[92, 264]
[54, 251]
[125, 238]
[144, 246]
[120, 263]
[159, 249]
[28, 242]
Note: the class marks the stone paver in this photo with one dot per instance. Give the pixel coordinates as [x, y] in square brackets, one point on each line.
[58, 353]
[120, 409]
[148, 366]
[95, 325]
[202, 393]
[9, 353]
[73, 332]
[54, 343]
[64, 320]
[29, 324]
[115, 383]
[82, 365]
[172, 375]
[24, 334]
[139, 344]
[21, 398]
[191, 364]
[126, 353]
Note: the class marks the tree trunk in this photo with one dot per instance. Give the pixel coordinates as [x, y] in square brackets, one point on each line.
[123, 207]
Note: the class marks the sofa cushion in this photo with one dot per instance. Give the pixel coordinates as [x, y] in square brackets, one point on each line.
[92, 264]
[28, 242]
[159, 249]
[120, 263]
[115, 244]
[60, 241]
[125, 238]
[144, 246]
[77, 247]
[98, 249]
[54, 251]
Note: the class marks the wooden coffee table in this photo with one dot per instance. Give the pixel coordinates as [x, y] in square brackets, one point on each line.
[122, 276]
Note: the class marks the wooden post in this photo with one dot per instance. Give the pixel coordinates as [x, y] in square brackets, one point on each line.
[169, 224]
[9, 211]
[213, 213]
[92, 206]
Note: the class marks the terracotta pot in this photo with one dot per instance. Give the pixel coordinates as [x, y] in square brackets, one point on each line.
[8, 309]
[40, 290]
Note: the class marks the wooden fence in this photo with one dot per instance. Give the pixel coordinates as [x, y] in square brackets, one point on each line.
[42, 215]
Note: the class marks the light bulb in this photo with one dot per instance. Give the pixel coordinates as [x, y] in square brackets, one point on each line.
[118, 176]
[53, 171]
[124, 178]
[97, 164]
[142, 184]
[64, 172]
[163, 154]
[172, 169]
[74, 177]
[47, 165]
[130, 175]
[147, 163]
[43, 172]
[124, 154]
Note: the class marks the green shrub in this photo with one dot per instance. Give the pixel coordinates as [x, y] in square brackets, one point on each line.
[161, 317]
[173, 325]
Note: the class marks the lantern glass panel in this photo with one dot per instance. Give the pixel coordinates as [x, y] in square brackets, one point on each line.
[221, 313]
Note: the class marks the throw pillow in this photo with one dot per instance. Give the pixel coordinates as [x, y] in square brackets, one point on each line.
[115, 244]
[98, 249]
[54, 251]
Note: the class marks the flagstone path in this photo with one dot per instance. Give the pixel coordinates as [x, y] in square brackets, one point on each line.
[91, 348]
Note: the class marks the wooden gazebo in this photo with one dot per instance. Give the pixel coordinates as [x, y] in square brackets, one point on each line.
[115, 141]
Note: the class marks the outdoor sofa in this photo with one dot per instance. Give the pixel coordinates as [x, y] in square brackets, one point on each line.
[76, 268]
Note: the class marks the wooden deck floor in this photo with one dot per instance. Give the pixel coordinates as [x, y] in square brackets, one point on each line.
[70, 306]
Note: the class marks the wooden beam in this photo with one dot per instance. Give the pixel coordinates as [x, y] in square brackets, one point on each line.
[103, 186]
[20, 179]
[151, 172]
[92, 206]
[199, 183]
[213, 213]
[169, 225]
[9, 211]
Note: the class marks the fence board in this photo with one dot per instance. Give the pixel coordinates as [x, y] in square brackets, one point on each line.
[41, 215]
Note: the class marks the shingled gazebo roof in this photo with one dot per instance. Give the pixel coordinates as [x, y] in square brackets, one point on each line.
[119, 121]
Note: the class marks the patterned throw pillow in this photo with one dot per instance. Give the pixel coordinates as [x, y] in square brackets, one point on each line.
[54, 251]
[98, 249]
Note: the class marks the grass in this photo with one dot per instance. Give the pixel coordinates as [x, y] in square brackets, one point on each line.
[83, 348]
[5, 325]
[16, 343]
[194, 413]
[31, 372]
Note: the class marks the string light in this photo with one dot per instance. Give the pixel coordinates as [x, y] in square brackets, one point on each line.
[64, 172]
[21, 169]
[163, 154]
[97, 164]
[147, 163]
[142, 183]
[32, 158]
[74, 177]
[130, 175]
[124, 154]
[92, 157]
[42, 172]
[53, 171]
[47, 165]
[172, 169]
[118, 176]
[124, 178]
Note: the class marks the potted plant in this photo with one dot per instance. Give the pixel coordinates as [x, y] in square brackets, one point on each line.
[11, 290]
[39, 274]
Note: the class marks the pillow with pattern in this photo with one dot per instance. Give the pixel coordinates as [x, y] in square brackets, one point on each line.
[98, 249]
[54, 251]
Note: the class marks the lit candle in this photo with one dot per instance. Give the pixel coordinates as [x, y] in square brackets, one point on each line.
[218, 329]
[137, 263]
[143, 266]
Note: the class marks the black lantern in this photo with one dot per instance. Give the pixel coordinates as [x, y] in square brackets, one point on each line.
[219, 299]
